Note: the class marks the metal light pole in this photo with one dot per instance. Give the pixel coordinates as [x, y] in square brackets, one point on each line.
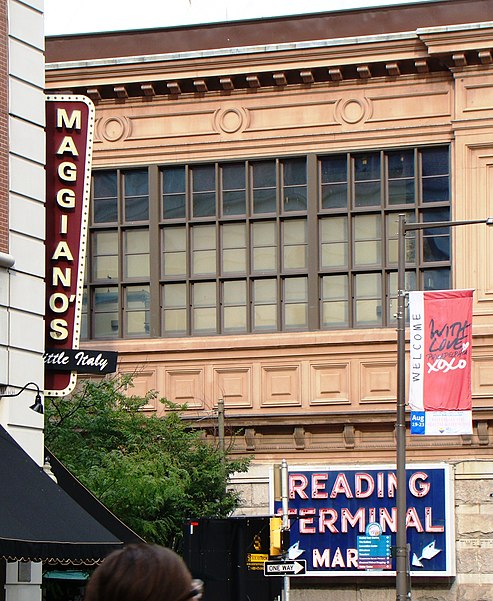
[285, 518]
[402, 555]
[220, 423]
[401, 552]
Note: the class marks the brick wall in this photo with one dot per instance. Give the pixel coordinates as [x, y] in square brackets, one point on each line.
[4, 133]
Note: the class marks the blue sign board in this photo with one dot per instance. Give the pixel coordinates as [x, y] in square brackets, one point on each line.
[374, 552]
[331, 508]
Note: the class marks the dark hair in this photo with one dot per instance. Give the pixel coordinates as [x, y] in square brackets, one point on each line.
[141, 573]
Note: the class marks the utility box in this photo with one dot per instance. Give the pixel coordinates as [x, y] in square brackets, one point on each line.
[228, 555]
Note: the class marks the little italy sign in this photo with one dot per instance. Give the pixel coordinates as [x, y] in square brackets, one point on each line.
[334, 513]
[88, 362]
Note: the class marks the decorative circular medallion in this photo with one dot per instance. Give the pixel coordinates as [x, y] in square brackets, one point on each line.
[231, 120]
[353, 110]
[114, 128]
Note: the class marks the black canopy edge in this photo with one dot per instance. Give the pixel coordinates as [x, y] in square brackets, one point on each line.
[85, 498]
[39, 521]
[62, 553]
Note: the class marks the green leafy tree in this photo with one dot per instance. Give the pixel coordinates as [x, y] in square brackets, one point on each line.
[152, 472]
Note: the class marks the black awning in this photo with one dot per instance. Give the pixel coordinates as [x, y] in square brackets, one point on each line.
[39, 521]
[84, 497]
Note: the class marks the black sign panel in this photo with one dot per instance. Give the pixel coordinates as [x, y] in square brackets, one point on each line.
[82, 361]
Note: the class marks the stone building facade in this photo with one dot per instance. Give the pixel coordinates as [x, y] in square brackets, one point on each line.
[22, 181]
[247, 181]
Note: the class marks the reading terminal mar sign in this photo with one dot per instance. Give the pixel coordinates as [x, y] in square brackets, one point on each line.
[343, 520]
[69, 136]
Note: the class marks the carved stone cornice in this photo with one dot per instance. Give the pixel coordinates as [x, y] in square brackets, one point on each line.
[354, 440]
[352, 434]
[327, 62]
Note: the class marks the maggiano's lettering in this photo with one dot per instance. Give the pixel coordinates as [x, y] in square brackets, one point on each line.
[59, 329]
[62, 277]
[64, 121]
[67, 171]
[62, 251]
[65, 199]
[59, 301]
[69, 133]
[67, 145]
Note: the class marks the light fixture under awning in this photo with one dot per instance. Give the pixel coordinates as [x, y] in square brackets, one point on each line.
[66, 575]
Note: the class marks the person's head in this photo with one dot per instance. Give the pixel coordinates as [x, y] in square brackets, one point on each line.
[141, 573]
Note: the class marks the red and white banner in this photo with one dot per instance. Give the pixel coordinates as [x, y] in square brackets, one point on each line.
[440, 362]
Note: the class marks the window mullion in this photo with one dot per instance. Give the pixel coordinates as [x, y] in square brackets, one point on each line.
[155, 251]
[119, 252]
[313, 250]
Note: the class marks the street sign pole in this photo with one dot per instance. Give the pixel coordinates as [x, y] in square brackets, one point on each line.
[285, 517]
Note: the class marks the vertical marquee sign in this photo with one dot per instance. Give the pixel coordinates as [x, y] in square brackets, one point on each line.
[69, 136]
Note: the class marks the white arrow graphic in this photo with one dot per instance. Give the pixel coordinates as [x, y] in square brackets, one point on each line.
[294, 551]
[298, 567]
[428, 552]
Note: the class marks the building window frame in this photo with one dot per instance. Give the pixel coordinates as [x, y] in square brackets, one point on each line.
[294, 243]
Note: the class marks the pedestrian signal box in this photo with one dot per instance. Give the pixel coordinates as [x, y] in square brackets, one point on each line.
[275, 536]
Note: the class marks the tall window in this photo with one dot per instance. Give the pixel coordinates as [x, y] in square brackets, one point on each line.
[267, 245]
[230, 257]
[118, 267]
[361, 197]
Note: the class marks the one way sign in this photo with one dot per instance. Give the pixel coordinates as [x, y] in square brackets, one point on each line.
[285, 568]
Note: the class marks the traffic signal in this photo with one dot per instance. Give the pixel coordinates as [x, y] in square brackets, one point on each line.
[285, 540]
[275, 536]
